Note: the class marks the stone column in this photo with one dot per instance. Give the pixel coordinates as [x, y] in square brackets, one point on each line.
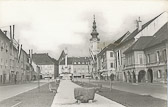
[146, 75]
[66, 61]
[136, 78]
[66, 57]
[136, 75]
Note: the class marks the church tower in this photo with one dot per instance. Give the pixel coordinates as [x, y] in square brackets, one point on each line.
[94, 40]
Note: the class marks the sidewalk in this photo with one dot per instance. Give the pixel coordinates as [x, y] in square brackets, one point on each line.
[13, 90]
[65, 98]
[22, 82]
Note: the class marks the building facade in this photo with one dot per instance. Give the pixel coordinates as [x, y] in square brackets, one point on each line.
[5, 58]
[14, 61]
[106, 60]
[81, 67]
[46, 64]
[147, 58]
[76, 67]
[147, 29]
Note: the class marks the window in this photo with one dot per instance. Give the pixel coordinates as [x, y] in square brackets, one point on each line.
[112, 65]
[157, 56]
[78, 62]
[140, 59]
[129, 60]
[159, 74]
[148, 58]
[164, 55]
[111, 54]
[2, 46]
[74, 62]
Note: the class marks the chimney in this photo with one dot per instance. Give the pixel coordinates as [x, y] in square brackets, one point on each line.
[5, 32]
[29, 53]
[13, 31]
[139, 24]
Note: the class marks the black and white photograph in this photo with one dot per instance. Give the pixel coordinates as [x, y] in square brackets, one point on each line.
[83, 53]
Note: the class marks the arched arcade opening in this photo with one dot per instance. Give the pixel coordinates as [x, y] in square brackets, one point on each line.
[141, 76]
[150, 75]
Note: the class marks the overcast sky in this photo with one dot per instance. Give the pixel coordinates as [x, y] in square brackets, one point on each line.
[50, 26]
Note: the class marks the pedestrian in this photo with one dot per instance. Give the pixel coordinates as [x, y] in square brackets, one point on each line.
[15, 79]
[111, 79]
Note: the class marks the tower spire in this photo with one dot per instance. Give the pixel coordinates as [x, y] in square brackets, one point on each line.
[94, 31]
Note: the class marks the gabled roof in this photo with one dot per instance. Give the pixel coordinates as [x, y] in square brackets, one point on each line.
[121, 38]
[27, 55]
[160, 36]
[55, 61]
[146, 42]
[1, 33]
[140, 44]
[135, 32]
[69, 59]
[7, 38]
[107, 48]
[62, 55]
[42, 59]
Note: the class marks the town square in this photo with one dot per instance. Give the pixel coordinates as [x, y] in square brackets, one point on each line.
[96, 53]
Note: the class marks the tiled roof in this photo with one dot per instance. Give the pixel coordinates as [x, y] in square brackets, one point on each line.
[140, 44]
[42, 59]
[62, 55]
[121, 38]
[146, 42]
[1, 33]
[8, 39]
[109, 47]
[71, 60]
[55, 61]
[135, 32]
[160, 36]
